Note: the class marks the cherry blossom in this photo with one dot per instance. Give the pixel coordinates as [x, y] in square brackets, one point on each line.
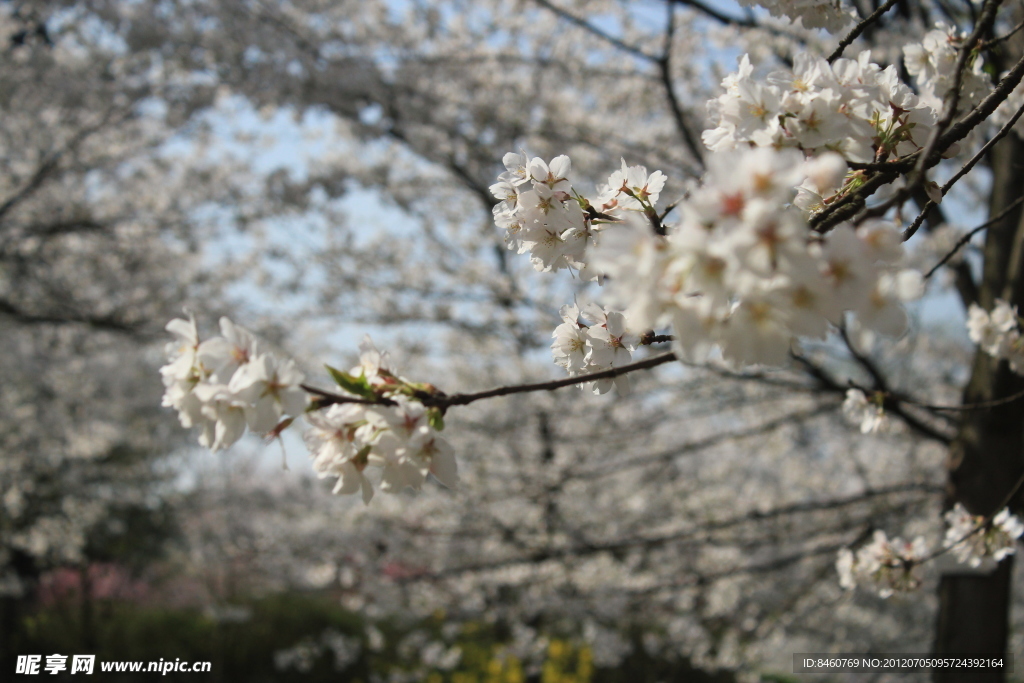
[972, 541]
[223, 355]
[886, 566]
[269, 389]
[827, 14]
[742, 271]
[932, 63]
[870, 415]
[998, 333]
[386, 428]
[852, 107]
[631, 188]
[571, 346]
[221, 385]
[600, 344]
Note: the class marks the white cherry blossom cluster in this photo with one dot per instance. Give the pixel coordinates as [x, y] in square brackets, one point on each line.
[226, 383]
[889, 566]
[602, 344]
[853, 107]
[742, 270]
[998, 333]
[869, 414]
[827, 14]
[399, 437]
[932, 63]
[971, 542]
[886, 566]
[542, 214]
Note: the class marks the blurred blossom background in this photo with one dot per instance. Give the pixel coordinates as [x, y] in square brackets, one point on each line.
[319, 170]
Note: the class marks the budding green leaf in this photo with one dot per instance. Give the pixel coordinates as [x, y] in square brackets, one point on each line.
[353, 385]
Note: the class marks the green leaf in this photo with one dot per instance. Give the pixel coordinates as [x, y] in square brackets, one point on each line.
[361, 457]
[435, 418]
[353, 385]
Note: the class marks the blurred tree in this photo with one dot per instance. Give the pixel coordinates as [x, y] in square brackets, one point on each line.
[97, 248]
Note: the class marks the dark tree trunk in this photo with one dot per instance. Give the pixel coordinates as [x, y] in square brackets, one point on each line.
[987, 458]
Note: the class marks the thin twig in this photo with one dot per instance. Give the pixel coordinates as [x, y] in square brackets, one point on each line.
[465, 399]
[845, 208]
[444, 401]
[718, 16]
[665, 71]
[326, 398]
[894, 397]
[967, 238]
[980, 113]
[587, 26]
[980, 405]
[964, 170]
[649, 337]
[980, 525]
[995, 41]
[859, 29]
[671, 207]
[880, 380]
[952, 98]
[831, 384]
[932, 151]
[903, 163]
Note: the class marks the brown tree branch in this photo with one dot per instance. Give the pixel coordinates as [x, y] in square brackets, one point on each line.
[952, 98]
[718, 16]
[959, 130]
[444, 401]
[859, 29]
[848, 207]
[894, 407]
[978, 405]
[665, 71]
[967, 238]
[590, 28]
[980, 525]
[988, 44]
[964, 170]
